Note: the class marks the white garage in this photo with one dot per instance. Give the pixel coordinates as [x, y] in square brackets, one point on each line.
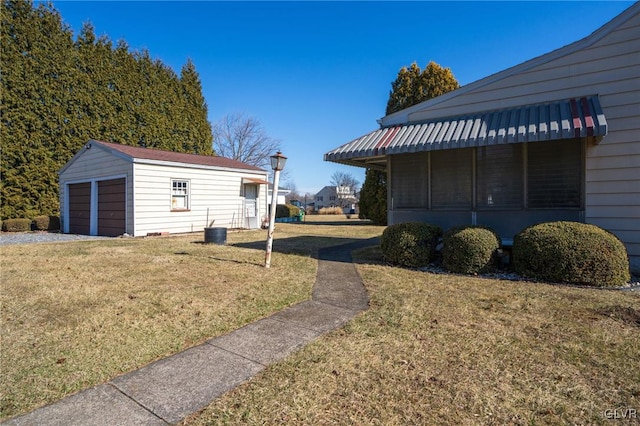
[111, 189]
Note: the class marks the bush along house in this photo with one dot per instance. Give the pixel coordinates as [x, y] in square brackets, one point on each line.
[554, 138]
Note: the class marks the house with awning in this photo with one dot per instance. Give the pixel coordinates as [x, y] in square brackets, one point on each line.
[554, 138]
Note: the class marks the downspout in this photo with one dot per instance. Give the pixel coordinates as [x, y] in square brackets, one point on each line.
[93, 209]
[131, 208]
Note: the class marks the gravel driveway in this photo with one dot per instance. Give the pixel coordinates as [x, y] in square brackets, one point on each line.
[41, 237]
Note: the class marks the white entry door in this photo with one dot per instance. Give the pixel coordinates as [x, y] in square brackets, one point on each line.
[251, 206]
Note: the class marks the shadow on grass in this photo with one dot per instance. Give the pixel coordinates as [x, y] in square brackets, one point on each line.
[321, 248]
[239, 262]
[351, 222]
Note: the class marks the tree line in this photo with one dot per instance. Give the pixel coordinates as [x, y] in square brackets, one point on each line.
[57, 92]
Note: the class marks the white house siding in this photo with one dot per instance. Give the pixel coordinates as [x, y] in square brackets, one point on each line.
[608, 67]
[220, 191]
[95, 164]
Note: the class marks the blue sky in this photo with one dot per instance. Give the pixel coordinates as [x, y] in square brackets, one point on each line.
[318, 74]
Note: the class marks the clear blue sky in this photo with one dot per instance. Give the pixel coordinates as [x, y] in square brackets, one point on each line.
[318, 74]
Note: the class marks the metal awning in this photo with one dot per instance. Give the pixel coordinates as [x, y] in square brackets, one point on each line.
[565, 119]
[254, 181]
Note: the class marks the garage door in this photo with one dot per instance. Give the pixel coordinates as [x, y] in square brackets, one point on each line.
[111, 207]
[80, 208]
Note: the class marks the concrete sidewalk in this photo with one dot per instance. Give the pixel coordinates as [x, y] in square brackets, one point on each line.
[168, 390]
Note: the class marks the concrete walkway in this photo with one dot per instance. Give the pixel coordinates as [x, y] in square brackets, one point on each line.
[168, 390]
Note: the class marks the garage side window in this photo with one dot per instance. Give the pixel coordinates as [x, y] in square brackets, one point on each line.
[180, 195]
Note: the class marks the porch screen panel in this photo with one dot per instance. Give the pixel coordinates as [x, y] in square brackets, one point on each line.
[451, 179]
[499, 177]
[554, 178]
[410, 180]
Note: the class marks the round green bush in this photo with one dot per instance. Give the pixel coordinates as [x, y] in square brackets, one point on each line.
[469, 249]
[410, 244]
[571, 252]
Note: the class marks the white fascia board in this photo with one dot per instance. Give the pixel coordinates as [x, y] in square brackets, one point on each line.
[196, 166]
[121, 155]
[93, 144]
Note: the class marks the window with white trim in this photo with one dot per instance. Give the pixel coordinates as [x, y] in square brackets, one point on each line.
[180, 194]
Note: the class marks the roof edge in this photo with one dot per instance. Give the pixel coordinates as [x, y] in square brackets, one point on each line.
[110, 150]
[401, 117]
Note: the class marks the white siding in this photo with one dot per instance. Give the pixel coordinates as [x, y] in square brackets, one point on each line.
[93, 165]
[220, 191]
[610, 68]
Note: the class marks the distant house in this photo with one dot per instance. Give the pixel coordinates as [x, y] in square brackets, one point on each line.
[111, 189]
[335, 196]
[554, 138]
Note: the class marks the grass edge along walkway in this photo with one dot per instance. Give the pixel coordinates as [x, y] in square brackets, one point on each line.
[168, 390]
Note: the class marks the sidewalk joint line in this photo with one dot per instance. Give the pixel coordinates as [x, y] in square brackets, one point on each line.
[113, 385]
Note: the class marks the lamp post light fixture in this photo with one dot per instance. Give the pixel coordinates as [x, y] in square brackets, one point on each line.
[277, 164]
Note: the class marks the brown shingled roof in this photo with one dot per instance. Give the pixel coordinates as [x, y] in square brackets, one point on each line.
[178, 157]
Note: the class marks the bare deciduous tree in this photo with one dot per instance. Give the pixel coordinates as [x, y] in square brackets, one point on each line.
[344, 179]
[243, 138]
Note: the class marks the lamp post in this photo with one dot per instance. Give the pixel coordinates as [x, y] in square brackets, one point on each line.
[277, 164]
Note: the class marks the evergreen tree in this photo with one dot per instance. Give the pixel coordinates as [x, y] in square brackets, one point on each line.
[194, 125]
[404, 90]
[36, 82]
[95, 98]
[56, 94]
[411, 87]
[373, 197]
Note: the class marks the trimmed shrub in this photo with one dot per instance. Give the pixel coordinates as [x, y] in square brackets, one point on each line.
[331, 210]
[287, 210]
[54, 223]
[469, 249]
[410, 244]
[16, 225]
[46, 223]
[571, 252]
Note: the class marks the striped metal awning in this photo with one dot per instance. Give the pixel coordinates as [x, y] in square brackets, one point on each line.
[565, 119]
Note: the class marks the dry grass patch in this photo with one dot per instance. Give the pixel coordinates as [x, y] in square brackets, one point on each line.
[445, 349]
[76, 314]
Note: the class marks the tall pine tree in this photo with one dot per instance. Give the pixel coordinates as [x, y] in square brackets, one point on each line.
[56, 93]
[36, 83]
[194, 127]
